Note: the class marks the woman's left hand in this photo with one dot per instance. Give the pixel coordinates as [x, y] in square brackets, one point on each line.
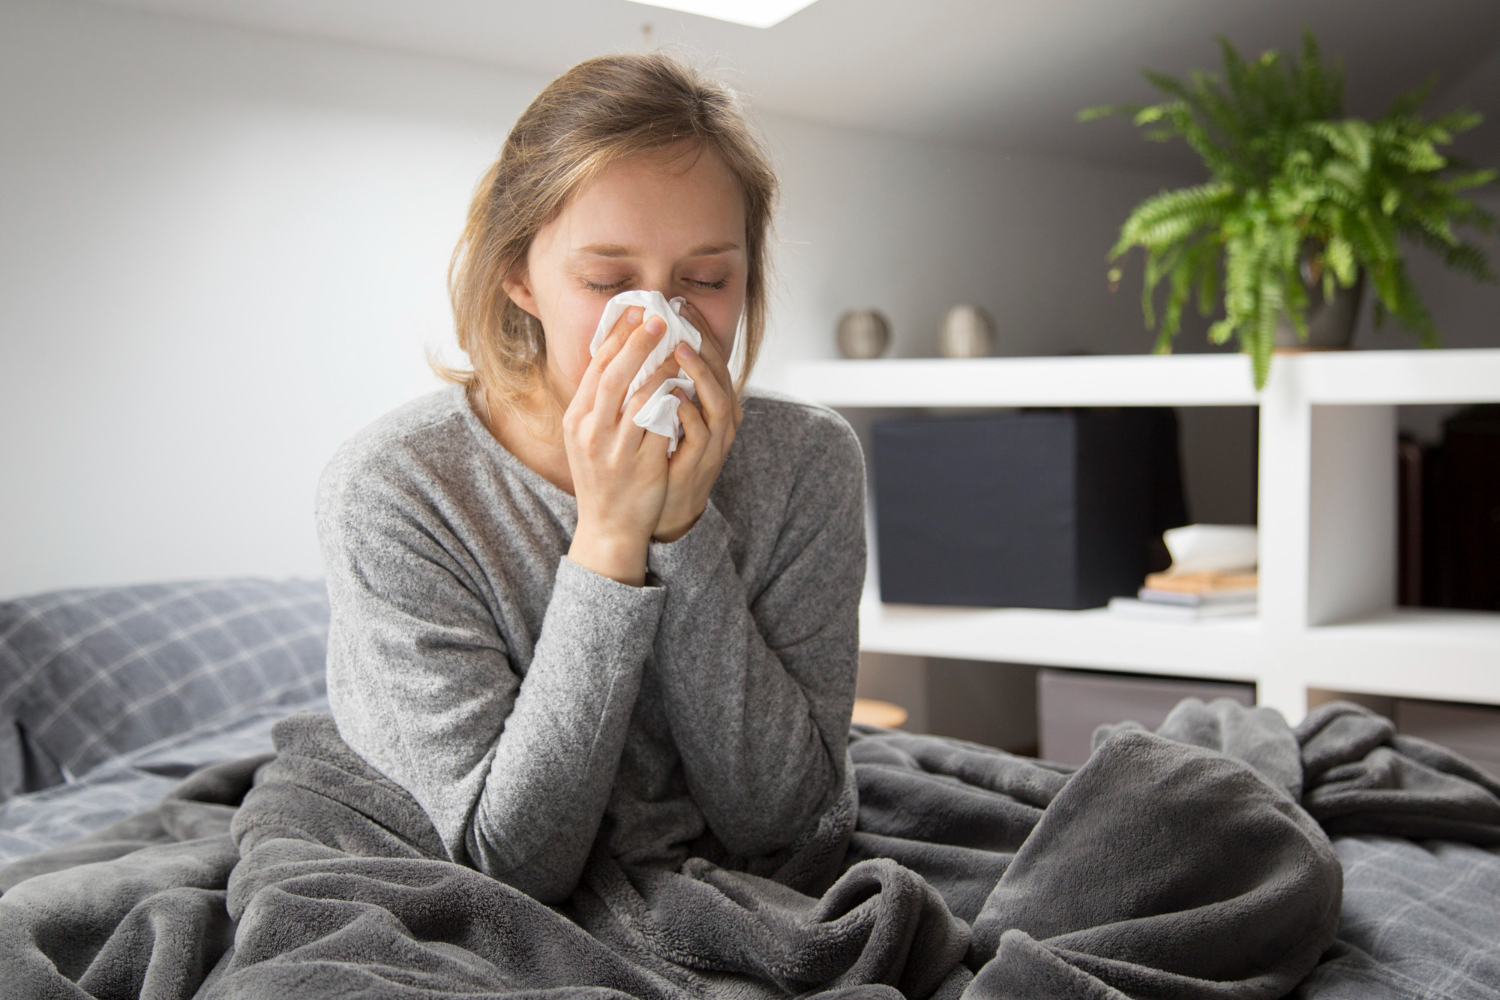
[708, 430]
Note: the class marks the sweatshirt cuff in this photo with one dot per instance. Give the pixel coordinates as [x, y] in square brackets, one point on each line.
[602, 605]
[695, 556]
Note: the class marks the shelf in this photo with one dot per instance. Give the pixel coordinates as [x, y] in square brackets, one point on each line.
[1127, 380]
[1227, 649]
[1327, 516]
[1408, 652]
[1394, 378]
[1458, 651]
[1332, 378]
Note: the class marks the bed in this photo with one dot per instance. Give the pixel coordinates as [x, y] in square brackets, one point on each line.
[111, 698]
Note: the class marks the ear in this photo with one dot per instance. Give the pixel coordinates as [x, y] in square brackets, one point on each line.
[517, 285]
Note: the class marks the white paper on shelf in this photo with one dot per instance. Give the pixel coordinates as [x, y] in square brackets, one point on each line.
[1156, 611]
[1212, 548]
[659, 415]
[1238, 596]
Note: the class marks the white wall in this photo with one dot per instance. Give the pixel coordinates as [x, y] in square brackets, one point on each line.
[221, 252]
[912, 228]
[220, 255]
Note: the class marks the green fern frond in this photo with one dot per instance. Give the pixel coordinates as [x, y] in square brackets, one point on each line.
[1171, 216]
[1467, 258]
[1459, 120]
[1465, 181]
[1338, 255]
[1291, 179]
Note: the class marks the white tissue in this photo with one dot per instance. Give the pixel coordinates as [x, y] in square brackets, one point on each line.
[659, 415]
[1212, 548]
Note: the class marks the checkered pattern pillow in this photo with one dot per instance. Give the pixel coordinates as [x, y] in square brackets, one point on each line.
[86, 675]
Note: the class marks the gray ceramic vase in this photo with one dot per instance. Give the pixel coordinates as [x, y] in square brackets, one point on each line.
[863, 334]
[967, 332]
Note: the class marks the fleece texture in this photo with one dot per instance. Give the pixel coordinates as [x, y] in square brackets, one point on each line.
[537, 710]
[1163, 868]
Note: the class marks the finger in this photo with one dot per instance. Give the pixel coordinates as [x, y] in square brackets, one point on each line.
[712, 351]
[615, 380]
[695, 432]
[714, 399]
[631, 318]
[588, 385]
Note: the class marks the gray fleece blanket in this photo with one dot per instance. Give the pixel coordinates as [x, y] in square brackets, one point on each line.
[1190, 863]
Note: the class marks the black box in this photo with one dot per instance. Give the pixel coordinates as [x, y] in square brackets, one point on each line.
[1049, 509]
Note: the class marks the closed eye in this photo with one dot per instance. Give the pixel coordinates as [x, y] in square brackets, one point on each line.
[722, 282]
[594, 287]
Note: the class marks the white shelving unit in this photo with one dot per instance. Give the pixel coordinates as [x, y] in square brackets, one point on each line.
[1327, 523]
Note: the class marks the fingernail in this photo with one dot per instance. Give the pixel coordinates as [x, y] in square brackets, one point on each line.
[656, 325]
[684, 351]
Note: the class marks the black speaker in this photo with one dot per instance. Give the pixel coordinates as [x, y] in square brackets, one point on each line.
[1040, 509]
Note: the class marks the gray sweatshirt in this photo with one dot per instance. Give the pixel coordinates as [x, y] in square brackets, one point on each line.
[534, 707]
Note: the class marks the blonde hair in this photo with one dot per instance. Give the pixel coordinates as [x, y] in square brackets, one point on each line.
[598, 112]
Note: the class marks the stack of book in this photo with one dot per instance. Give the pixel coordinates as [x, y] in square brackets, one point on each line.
[1190, 597]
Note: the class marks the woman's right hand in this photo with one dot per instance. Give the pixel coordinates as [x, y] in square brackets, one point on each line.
[619, 470]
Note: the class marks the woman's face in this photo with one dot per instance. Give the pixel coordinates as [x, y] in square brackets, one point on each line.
[671, 221]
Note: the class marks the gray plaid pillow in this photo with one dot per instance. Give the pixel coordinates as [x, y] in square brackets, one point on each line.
[86, 675]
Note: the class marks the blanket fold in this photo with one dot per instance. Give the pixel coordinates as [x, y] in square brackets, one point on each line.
[1189, 863]
[1364, 778]
[1224, 888]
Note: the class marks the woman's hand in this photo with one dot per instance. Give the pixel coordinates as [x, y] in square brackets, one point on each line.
[619, 470]
[708, 430]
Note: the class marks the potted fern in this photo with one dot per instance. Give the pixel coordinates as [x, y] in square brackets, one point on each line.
[1302, 207]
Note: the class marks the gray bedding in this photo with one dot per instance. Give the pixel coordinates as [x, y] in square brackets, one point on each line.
[109, 697]
[1421, 921]
[134, 782]
[1173, 865]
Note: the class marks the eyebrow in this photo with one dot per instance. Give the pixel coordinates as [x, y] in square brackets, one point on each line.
[616, 250]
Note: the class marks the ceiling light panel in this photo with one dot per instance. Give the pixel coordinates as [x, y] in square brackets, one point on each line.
[755, 13]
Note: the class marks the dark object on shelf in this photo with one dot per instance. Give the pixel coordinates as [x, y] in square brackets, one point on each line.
[1409, 476]
[1460, 515]
[1071, 704]
[1168, 495]
[1040, 509]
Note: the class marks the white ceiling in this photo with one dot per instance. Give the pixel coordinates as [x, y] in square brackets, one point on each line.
[1001, 74]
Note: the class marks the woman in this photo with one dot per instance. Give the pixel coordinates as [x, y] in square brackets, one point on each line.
[552, 634]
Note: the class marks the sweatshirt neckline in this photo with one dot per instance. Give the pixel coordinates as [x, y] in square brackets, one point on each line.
[554, 495]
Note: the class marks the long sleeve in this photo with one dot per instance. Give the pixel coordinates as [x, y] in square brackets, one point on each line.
[514, 770]
[759, 686]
